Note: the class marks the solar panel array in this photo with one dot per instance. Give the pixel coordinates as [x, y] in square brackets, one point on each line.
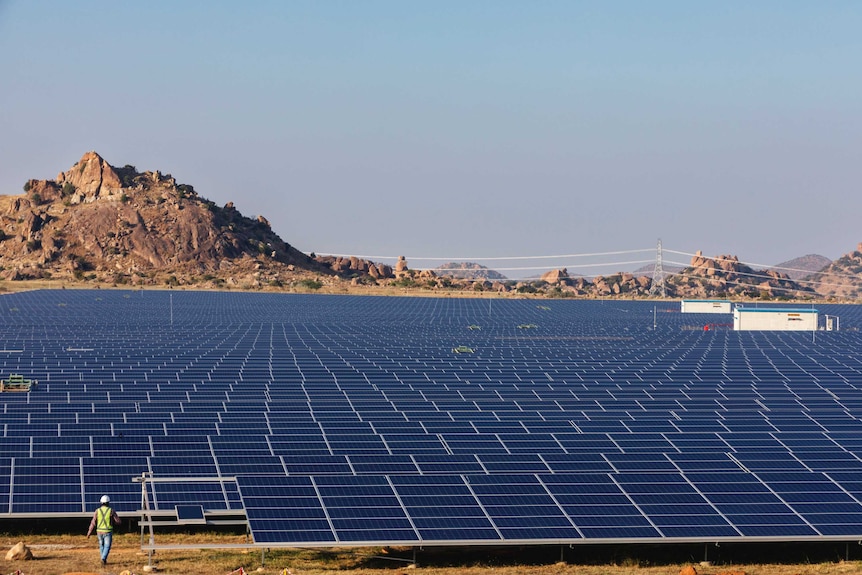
[355, 420]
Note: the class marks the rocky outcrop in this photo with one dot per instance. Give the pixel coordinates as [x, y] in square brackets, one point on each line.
[114, 224]
[401, 269]
[353, 266]
[840, 280]
[725, 275]
[92, 177]
[556, 276]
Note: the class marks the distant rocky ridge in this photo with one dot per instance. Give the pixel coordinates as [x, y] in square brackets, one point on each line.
[803, 266]
[97, 224]
[468, 270]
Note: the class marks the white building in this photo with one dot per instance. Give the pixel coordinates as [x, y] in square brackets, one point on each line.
[766, 318]
[705, 306]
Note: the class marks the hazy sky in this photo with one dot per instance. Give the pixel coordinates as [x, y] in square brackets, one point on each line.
[462, 129]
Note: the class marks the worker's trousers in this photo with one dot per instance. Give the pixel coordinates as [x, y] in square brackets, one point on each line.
[104, 544]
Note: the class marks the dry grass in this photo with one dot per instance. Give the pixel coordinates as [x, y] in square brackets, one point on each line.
[59, 554]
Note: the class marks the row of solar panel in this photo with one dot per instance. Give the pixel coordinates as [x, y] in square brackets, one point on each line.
[436, 509]
[72, 479]
[451, 436]
[844, 446]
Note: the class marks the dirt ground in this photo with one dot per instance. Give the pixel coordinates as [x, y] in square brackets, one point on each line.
[64, 554]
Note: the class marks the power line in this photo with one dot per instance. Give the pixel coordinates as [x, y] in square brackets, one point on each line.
[495, 258]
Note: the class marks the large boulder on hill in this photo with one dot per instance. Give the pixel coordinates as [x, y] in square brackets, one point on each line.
[92, 177]
[401, 269]
[556, 276]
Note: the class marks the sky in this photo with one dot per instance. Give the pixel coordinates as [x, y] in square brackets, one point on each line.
[501, 132]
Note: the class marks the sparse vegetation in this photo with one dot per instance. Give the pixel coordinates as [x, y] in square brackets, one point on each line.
[309, 284]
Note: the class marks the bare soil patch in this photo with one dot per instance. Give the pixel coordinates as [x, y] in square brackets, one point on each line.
[64, 554]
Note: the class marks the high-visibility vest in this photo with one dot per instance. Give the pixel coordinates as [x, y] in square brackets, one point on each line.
[103, 519]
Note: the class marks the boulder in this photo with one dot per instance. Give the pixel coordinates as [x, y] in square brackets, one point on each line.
[19, 552]
[401, 269]
[556, 276]
[33, 223]
[688, 570]
[92, 177]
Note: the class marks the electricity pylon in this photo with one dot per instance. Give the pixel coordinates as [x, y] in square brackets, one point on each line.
[658, 287]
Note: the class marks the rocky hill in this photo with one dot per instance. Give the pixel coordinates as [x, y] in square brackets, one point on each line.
[105, 224]
[803, 266]
[841, 279]
[725, 276]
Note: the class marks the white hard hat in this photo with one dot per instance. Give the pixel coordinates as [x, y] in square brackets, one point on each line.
[105, 499]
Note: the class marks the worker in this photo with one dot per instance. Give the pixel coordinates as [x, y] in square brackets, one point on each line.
[104, 519]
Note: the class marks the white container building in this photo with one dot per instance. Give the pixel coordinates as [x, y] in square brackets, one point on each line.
[776, 319]
[705, 306]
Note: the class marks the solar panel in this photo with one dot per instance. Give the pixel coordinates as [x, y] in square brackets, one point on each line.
[190, 515]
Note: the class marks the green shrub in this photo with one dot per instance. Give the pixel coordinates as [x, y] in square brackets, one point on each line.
[127, 174]
[310, 284]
